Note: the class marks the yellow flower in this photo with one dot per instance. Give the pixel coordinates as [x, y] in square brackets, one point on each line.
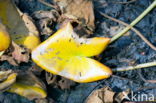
[65, 54]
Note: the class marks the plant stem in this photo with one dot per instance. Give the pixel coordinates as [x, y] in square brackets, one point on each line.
[134, 22]
[144, 65]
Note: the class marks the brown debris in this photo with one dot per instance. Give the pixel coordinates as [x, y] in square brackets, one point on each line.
[46, 20]
[80, 10]
[106, 95]
[20, 54]
[103, 95]
[16, 54]
[65, 83]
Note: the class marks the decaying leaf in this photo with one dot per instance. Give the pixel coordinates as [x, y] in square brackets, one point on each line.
[45, 21]
[20, 54]
[81, 10]
[9, 58]
[103, 95]
[17, 28]
[16, 55]
[29, 86]
[106, 95]
[7, 79]
[65, 54]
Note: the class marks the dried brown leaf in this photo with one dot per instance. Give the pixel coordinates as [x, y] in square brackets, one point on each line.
[81, 10]
[45, 20]
[20, 54]
[106, 95]
[103, 95]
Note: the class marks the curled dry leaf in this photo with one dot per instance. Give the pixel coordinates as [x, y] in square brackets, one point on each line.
[106, 95]
[81, 10]
[16, 54]
[7, 79]
[20, 54]
[45, 21]
[17, 27]
[29, 86]
[103, 95]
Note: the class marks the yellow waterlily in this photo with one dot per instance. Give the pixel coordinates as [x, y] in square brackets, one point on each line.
[65, 54]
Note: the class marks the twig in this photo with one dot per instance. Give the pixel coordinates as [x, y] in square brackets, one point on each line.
[134, 22]
[135, 30]
[144, 65]
[47, 4]
[141, 76]
[142, 88]
[128, 2]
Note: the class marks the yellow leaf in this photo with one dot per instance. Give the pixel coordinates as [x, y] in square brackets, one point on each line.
[27, 91]
[29, 86]
[11, 78]
[17, 28]
[65, 54]
[4, 38]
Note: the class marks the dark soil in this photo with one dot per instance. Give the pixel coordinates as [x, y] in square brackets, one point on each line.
[123, 52]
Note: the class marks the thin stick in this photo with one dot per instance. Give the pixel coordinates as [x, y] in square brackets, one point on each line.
[144, 65]
[135, 30]
[128, 2]
[134, 22]
[142, 77]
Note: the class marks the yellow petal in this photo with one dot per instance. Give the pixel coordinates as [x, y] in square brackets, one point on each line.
[66, 54]
[4, 38]
[8, 82]
[30, 92]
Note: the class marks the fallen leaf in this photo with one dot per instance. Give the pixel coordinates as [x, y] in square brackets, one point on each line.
[45, 21]
[29, 86]
[7, 79]
[81, 10]
[20, 54]
[9, 58]
[16, 54]
[106, 95]
[103, 95]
